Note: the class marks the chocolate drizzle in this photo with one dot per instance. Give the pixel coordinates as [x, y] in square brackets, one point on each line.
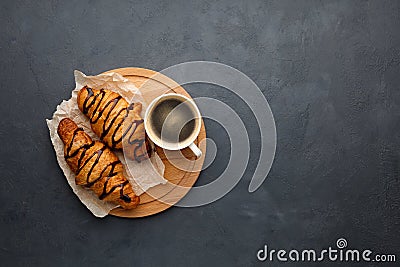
[85, 158]
[107, 129]
[123, 196]
[93, 103]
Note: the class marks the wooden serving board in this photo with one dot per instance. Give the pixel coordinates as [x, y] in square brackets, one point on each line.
[161, 197]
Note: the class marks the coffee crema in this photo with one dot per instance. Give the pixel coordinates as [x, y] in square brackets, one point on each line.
[172, 120]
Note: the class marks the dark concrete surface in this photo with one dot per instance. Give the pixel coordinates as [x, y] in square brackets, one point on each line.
[329, 69]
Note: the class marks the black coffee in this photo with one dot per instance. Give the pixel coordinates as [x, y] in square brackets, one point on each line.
[173, 120]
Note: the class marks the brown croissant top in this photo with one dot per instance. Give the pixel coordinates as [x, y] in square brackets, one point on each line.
[95, 166]
[115, 121]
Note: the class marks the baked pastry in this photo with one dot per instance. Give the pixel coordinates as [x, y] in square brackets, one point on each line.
[95, 166]
[116, 122]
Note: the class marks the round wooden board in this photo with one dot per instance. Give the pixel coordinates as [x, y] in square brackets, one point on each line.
[161, 197]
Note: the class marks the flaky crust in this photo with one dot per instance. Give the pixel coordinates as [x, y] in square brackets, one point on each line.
[95, 166]
[116, 122]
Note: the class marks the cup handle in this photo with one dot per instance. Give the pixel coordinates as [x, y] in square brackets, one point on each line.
[195, 150]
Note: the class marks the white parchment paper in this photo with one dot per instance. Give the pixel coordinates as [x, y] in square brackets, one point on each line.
[142, 176]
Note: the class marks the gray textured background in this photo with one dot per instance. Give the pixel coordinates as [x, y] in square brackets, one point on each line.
[330, 71]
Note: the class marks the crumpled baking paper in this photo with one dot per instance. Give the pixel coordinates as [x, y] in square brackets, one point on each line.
[142, 176]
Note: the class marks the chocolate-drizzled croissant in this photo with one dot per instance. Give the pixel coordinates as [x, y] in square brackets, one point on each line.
[115, 121]
[95, 166]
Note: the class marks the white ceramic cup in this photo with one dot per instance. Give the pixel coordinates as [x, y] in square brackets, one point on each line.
[178, 144]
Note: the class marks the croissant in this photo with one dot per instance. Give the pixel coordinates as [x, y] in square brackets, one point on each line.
[117, 123]
[95, 166]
